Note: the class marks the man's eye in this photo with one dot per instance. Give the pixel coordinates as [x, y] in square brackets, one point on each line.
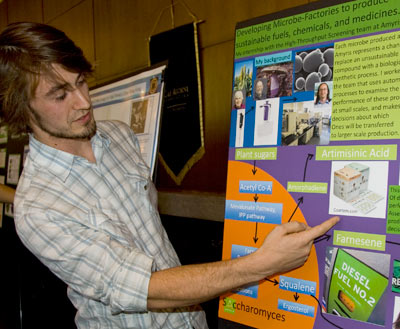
[81, 82]
[61, 97]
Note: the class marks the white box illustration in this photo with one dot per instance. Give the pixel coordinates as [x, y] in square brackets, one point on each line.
[347, 183]
[364, 171]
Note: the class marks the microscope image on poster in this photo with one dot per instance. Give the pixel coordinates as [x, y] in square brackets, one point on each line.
[356, 284]
[351, 192]
[266, 122]
[313, 66]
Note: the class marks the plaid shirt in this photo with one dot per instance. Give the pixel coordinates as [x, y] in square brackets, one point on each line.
[96, 226]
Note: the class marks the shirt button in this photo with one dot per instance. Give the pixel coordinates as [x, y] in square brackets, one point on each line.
[145, 187]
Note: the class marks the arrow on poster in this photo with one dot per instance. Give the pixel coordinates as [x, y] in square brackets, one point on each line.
[309, 157]
[298, 203]
[255, 198]
[322, 238]
[254, 170]
[393, 242]
[251, 109]
[255, 235]
[275, 281]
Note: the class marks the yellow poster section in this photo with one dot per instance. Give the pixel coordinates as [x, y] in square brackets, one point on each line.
[366, 88]
[263, 312]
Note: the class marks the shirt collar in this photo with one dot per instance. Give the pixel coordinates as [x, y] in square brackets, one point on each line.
[60, 163]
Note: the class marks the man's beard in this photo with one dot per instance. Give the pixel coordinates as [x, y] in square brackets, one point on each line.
[87, 133]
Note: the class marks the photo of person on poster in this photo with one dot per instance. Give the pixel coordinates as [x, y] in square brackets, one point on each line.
[322, 97]
[260, 91]
[238, 100]
[323, 100]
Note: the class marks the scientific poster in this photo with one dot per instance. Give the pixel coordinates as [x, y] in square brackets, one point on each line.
[315, 129]
[135, 100]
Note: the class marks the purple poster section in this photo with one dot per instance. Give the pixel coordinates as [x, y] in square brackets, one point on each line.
[320, 115]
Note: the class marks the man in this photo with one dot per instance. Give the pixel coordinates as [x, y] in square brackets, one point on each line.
[85, 205]
[322, 98]
[259, 92]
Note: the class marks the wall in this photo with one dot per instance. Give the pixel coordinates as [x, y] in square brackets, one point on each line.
[114, 36]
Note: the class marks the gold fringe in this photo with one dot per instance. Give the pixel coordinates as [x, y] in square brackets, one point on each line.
[189, 164]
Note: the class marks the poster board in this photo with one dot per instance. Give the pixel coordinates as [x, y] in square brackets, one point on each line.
[135, 100]
[315, 128]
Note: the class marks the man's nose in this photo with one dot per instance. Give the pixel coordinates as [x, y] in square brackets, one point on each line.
[81, 99]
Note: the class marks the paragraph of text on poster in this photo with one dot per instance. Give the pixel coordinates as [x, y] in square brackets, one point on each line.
[366, 102]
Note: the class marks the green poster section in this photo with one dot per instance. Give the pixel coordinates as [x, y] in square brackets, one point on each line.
[367, 82]
[335, 22]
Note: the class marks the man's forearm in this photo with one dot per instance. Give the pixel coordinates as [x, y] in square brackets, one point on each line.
[193, 284]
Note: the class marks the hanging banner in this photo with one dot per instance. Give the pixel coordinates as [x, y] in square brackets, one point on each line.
[181, 137]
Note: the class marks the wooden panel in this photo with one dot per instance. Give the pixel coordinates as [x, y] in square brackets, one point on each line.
[3, 15]
[192, 204]
[122, 29]
[53, 9]
[22, 10]
[82, 32]
[220, 17]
